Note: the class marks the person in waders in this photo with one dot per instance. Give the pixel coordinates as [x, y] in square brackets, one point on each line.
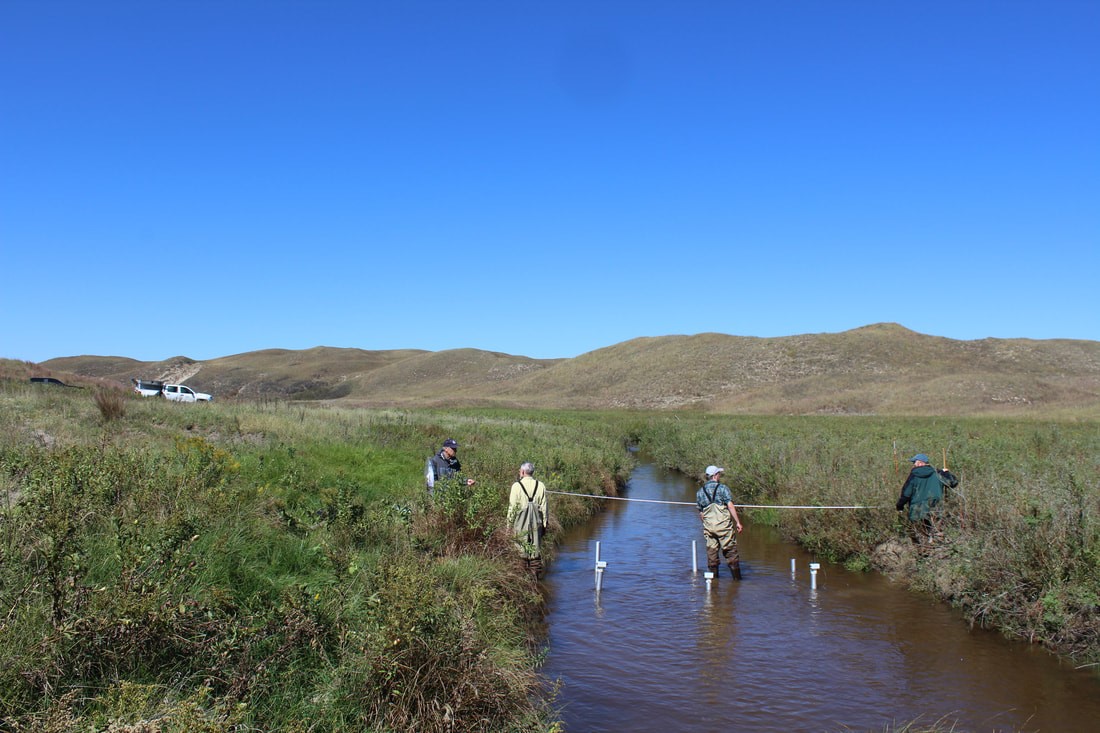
[720, 521]
[528, 517]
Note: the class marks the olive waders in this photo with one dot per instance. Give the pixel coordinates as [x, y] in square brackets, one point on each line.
[528, 526]
[721, 538]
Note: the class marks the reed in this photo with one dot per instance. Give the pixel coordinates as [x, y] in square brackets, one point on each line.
[111, 404]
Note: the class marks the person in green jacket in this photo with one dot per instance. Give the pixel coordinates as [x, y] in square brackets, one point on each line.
[922, 493]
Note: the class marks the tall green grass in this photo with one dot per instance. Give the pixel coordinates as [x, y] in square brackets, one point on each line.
[271, 567]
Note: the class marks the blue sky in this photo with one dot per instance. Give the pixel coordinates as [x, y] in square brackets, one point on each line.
[206, 178]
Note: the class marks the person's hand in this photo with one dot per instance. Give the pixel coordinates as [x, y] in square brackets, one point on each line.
[739, 527]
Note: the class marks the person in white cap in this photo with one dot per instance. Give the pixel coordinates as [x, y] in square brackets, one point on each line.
[719, 517]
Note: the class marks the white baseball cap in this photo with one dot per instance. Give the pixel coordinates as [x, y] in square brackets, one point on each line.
[711, 470]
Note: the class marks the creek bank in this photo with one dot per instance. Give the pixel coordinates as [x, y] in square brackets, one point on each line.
[946, 572]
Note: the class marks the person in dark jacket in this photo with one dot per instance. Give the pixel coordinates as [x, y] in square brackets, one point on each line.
[444, 465]
[922, 493]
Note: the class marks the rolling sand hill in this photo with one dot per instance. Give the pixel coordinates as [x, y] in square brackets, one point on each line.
[878, 369]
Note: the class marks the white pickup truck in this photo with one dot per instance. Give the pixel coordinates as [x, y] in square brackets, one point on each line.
[174, 392]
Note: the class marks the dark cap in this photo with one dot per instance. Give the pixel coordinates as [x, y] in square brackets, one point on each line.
[919, 457]
[450, 443]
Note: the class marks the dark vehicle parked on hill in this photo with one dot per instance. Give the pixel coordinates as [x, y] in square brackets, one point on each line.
[53, 381]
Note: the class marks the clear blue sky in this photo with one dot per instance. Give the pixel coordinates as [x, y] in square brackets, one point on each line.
[206, 178]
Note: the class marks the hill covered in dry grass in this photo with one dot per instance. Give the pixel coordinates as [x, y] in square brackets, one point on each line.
[878, 369]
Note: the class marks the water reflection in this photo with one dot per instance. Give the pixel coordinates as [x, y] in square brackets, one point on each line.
[656, 650]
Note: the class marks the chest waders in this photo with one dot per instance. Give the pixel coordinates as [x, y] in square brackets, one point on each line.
[720, 534]
[528, 530]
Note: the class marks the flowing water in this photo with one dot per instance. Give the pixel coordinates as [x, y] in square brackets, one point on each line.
[655, 650]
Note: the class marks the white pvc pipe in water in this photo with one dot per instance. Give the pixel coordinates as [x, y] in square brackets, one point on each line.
[792, 567]
[694, 558]
[709, 576]
[813, 574]
[600, 566]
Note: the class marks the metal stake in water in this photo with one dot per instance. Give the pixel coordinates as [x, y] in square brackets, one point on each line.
[814, 566]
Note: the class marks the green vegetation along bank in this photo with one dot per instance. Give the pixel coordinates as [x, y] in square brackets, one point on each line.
[170, 567]
[242, 567]
[1020, 550]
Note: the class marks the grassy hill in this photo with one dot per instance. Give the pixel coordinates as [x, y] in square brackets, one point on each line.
[879, 369]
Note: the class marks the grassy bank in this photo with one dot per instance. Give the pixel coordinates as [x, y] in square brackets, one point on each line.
[171, 567]
[1021, 545]
[243, 567]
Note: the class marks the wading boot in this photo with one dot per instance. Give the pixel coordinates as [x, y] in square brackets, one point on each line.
[535, 567]
[712, 561]
[735, 568]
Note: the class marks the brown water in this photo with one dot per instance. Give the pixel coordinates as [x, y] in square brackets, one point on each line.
[656, 651]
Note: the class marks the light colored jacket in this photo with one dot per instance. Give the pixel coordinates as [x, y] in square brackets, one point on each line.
[517, 498]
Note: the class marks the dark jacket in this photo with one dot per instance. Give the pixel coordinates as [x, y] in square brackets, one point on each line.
[440, 467]
[922, 492]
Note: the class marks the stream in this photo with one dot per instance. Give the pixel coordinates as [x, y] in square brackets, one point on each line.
[657, 650]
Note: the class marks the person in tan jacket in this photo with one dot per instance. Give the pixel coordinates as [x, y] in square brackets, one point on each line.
[527, 513]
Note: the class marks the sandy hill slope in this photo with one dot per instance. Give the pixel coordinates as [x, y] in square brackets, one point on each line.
[881, 369]
[878, 369]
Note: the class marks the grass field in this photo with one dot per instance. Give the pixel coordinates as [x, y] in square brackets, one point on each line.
[270, 567]
[247, 567]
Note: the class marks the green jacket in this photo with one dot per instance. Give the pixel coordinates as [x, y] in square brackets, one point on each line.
[922, 492]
